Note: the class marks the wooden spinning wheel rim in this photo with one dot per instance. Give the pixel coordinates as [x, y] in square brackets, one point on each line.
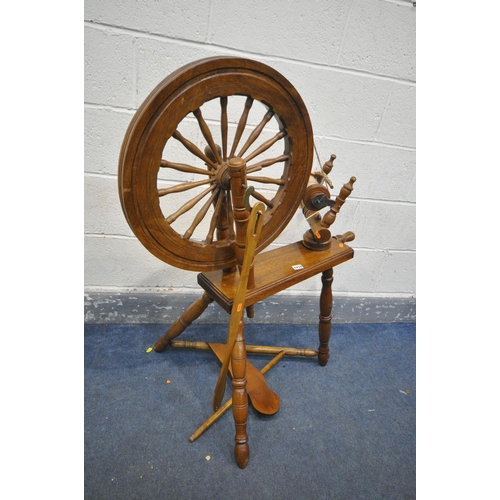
[156, 121]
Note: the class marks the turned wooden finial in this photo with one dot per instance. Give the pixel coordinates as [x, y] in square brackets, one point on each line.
[327, 167]
[350, 185]
[322, 175]
[331, 215]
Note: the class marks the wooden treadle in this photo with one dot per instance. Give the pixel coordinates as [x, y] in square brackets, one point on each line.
[263, 399]
[275, 271]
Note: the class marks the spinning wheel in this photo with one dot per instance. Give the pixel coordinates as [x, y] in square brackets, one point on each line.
[210, 136]
[173, 170]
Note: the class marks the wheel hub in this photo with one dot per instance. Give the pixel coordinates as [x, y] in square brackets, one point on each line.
[222, 176]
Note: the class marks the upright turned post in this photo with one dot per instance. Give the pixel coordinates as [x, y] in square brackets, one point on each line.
[325, 316]
[240, 399]
[238, 179]
[238, 176]
[222, 222]
[237, 173]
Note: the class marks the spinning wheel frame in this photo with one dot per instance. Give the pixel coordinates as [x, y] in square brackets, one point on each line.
[156, 122]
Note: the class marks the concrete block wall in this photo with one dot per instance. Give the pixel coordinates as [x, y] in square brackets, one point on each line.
[353, 63]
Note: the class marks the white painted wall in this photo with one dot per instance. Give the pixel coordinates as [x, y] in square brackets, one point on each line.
[353, 63]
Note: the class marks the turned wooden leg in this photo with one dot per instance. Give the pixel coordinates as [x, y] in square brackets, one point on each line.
[240, 399]
[185, 319]
[325, 316]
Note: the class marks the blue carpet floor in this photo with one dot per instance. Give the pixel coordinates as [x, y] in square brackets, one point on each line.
[344, 431]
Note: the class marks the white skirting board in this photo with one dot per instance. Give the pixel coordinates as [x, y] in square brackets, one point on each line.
[165, 308]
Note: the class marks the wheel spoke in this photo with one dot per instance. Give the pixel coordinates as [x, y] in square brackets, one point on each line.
[256, 132]
[200, 215]
[230, 215]
[189, 205]
[266, 163]
[193, 149]
[266, 145]
[207, 134]
[262, 198]
[182, 167]
[266, 180]
[241, 125]
[185, 186]
[223, 126]
[215, 217]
